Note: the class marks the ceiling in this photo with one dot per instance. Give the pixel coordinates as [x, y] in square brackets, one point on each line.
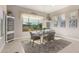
[44, 8]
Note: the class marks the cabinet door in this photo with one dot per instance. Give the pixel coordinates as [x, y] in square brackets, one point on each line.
[10, 36]
[10, 24]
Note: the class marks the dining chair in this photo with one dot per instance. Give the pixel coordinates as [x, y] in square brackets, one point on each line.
[50, 36]
[34, 37]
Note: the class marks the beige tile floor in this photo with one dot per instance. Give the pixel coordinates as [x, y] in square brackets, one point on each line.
[16, 46]
[13, 47]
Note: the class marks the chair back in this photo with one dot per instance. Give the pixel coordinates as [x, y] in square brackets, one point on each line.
[31, 35]
[34, 36]
[51, 36]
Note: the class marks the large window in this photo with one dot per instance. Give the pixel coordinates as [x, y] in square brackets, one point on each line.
[31, 22]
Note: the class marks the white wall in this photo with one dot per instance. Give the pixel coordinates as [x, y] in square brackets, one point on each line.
[2, 40]
[18, 21]
[70, 33]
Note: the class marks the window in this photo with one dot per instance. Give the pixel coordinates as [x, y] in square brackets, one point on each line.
[31, 22]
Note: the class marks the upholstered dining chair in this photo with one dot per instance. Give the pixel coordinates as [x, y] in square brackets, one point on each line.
[50, 36]
[34, 37]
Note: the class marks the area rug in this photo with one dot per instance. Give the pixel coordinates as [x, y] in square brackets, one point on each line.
[49, 47]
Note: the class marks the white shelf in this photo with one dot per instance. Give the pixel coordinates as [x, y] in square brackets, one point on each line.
[9, 32]
[10, 17]
[9, 40]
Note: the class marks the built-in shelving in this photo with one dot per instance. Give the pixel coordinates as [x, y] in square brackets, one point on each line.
[10, 28]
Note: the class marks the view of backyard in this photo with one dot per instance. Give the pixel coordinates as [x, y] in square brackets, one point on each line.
[31, 24]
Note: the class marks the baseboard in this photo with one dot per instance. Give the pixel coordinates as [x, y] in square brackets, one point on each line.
[72, 38]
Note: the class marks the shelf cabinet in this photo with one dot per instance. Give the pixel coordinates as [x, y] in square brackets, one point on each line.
[10, 28]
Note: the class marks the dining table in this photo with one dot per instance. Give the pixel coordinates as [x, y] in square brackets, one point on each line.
[42, 34]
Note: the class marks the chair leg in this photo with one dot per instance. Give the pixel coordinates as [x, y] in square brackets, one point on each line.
[44, 40]
[40, 40]
[40, 43]
[33, 44]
